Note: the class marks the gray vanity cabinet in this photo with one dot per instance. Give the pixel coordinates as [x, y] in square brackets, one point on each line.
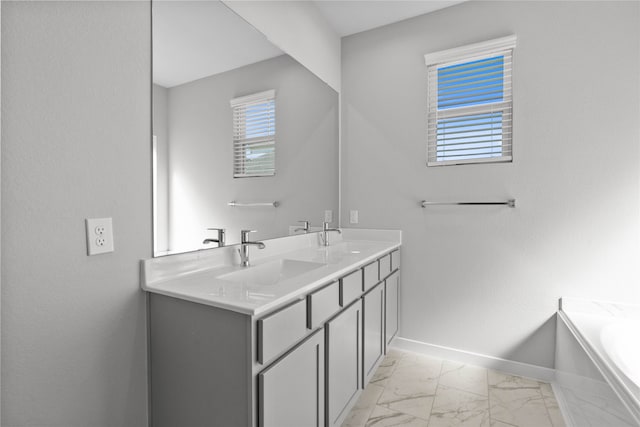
[373, 330]
[199, 365]
[343, 338]
[302, 364]
[291, 391]
[392, 286]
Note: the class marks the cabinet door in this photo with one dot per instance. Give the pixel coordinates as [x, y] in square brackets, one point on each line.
[291, 391]
[373, 325]
[392, 285]
[343, 362]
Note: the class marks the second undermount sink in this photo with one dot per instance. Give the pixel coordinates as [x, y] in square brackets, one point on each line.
[271, 273]
[351, 247]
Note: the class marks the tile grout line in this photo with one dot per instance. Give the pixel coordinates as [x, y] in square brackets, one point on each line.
[463, 390]
[384, 387]
[489, 398]
[404, 354]
[544, 402]
[435, 395]
[439, 388]
[373, 407]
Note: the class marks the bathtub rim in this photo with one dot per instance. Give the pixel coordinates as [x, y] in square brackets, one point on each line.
[610, 334]
[601, 362]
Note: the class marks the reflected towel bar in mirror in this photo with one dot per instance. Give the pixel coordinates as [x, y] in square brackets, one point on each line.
[252, 204]
[511, 203]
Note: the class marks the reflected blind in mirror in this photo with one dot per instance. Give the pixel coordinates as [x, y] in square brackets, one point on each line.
[254, 135]
[469, 117]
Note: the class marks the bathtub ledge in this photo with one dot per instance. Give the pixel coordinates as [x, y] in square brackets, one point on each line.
[586, 319]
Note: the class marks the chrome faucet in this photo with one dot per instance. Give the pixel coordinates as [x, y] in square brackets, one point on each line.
[304, 228]
[244, 247]
[221, 237]
[325, 233]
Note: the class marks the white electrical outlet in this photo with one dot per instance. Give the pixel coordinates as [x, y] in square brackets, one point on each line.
[99, 235]
[353, 217]
[328, 216]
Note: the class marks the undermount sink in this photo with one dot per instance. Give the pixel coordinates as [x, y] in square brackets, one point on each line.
[271, 273]
[351, 247]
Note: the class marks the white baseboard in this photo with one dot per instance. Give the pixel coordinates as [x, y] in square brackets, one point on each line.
[509, 366]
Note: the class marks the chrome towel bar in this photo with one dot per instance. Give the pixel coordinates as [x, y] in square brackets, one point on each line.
[511, 203]
[253, 204]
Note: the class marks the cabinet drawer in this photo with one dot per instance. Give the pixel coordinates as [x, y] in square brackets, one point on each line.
[395, 260]
[370, 272]
[281, 330]
[385, 266]
[322, 304]
[350, 288]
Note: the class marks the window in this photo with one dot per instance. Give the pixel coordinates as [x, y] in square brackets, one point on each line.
[254, 135]
[469, 111]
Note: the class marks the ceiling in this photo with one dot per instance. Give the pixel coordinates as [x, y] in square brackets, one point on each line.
[196, 39]
[354, 16]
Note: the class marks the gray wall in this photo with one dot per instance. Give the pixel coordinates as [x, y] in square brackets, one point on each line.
[487, 279]
[76, 143]
[299, 29]
[201, 179]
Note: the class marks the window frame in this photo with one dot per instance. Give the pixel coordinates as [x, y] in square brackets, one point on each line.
[238, 168]
[504, 46]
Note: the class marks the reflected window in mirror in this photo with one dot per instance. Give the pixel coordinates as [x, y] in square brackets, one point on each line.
[254, 135]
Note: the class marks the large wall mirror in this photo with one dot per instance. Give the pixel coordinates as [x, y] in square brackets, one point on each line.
[205, 56]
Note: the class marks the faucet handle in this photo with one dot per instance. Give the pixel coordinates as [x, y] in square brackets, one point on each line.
[221, 235]
[305, 225]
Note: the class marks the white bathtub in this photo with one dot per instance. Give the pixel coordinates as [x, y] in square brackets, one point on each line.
[607, 372]
[621, 342]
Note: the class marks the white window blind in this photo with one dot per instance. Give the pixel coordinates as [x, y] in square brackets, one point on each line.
[469, 117]
[254, 135]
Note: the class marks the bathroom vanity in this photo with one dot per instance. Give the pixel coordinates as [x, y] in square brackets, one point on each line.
[289, 341]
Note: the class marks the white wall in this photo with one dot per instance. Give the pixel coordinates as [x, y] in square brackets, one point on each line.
[300, 30]
[76, 144]
[487, 279]
[200, 152]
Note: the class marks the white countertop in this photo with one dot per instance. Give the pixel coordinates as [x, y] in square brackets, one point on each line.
[195, 276]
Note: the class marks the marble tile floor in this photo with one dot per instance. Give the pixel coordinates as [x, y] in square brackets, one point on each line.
[413, 390]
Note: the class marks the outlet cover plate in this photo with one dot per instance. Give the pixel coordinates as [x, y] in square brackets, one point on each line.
[353, 217]
[99, 235]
